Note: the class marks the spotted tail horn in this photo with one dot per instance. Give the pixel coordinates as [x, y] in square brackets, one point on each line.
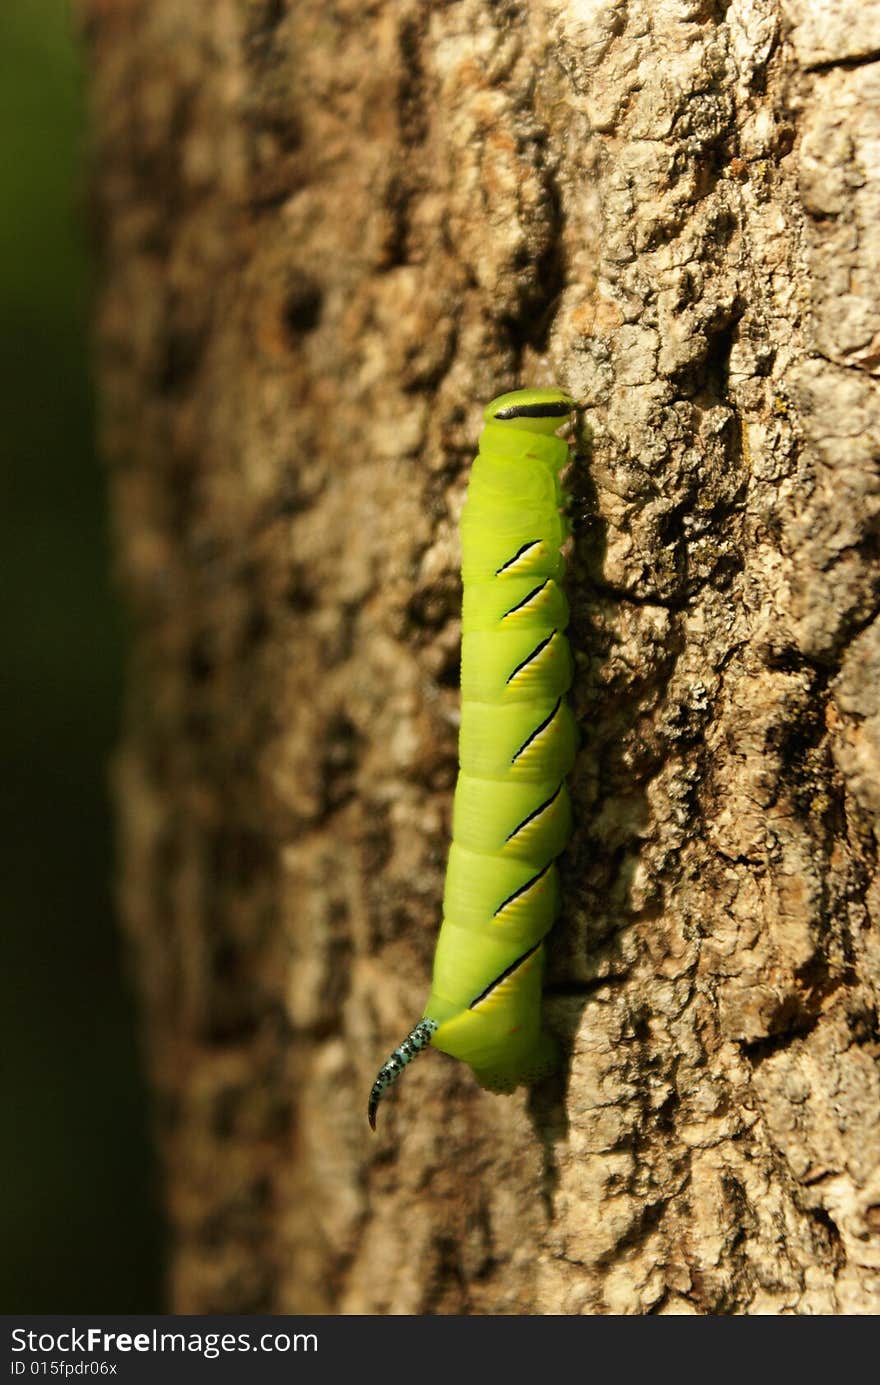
[389, 1072]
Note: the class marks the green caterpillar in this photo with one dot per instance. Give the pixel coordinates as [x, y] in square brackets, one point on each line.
[512, 815]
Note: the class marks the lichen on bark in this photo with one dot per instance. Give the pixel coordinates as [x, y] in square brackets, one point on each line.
[330, 232]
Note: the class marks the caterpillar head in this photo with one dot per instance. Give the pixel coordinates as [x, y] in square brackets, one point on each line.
[534, 411]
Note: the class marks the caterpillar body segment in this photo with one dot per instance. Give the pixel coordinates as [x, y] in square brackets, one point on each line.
[517, 742]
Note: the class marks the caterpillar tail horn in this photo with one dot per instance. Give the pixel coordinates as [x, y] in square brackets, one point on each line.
[389, 1072]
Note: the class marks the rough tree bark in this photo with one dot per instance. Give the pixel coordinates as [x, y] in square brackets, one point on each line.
[331, 230]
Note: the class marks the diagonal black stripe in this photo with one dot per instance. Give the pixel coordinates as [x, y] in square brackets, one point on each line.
[529, 657]
[508, 971]
[516, 557]
[522, 890]
[536, 814]
[537, 731]
[526, 599]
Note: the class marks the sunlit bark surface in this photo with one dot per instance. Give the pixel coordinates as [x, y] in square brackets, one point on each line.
[330, 231]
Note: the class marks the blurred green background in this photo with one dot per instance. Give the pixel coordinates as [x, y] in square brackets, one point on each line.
[79, 1222]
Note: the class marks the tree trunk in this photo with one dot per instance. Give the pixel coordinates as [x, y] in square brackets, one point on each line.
[331, 231]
